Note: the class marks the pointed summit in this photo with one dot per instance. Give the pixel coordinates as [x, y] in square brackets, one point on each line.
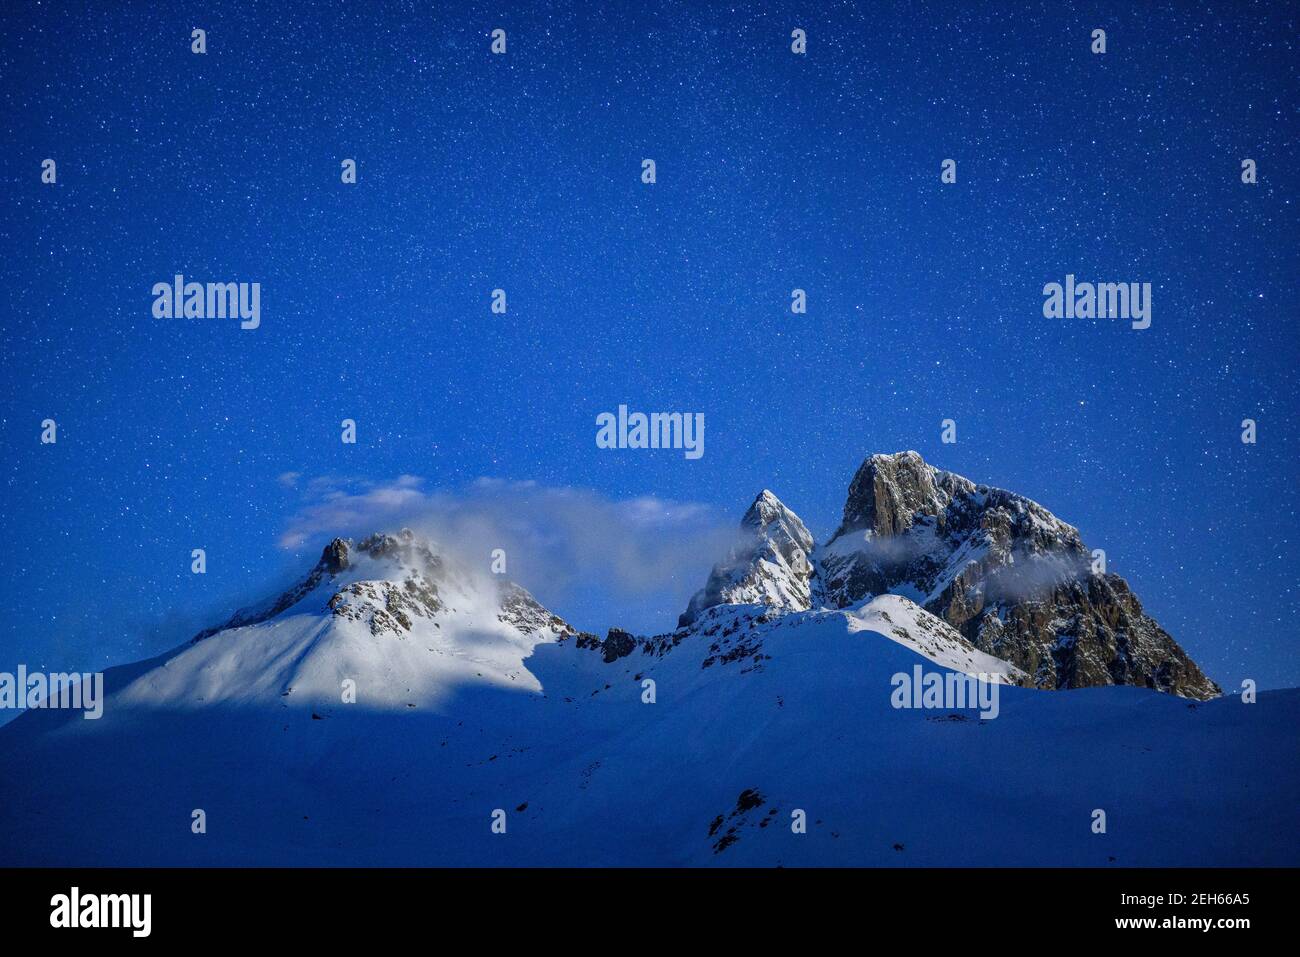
[334, 558]
[1012, 578]
[768, 566]
[389, 582]
[769, 515]
[889, 492]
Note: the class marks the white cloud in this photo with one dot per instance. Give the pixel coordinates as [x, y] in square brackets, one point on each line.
[561, 543]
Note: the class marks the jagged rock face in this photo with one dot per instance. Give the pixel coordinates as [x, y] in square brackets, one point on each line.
[407, 581]
[888, 492]
[769, 566]
[1102, 636]
[1016, 581]
[387, 607]
[335, 558]
[617, 644]
[527, 614]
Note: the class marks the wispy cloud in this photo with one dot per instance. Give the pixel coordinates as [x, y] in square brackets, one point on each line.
[344, 506]
[559, 541]
[1034, 576]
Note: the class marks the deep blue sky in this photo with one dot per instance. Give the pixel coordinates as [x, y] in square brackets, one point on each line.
[523, 172]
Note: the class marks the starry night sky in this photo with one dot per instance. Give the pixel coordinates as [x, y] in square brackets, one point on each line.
[522, 172]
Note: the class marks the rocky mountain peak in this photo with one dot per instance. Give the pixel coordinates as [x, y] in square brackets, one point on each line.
[769, 565]
[888, 492]
[768, 516]
[1012, 578]
[404, 547]
[335, 557]
[389, 581]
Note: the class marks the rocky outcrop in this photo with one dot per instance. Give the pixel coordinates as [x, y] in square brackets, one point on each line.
[389, 581]
[335, 557]
[524, 612]
[1015, 580]
[617, 644]
[889, 492]
[387, 607]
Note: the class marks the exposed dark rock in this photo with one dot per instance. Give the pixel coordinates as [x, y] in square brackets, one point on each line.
[389, 605]
[1013, 579]
[618, 644]
[335, 557]
[887, 493]
[523, 611]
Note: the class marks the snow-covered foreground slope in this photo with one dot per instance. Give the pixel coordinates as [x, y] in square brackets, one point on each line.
[756, 715]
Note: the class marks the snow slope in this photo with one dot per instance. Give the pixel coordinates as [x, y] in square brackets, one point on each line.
[913, 627]
[482, 701]
[390, 615]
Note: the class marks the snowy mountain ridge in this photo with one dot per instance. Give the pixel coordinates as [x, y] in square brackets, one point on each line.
[393, 702]
[972, 578]
[1013, 579]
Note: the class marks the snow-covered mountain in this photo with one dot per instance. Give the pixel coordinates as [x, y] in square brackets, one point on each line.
[394, 705]
[769, 567]
[1012, 578]
[389, 614]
